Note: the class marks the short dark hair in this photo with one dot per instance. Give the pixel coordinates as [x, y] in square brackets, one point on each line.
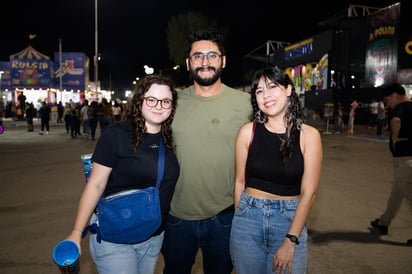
[206, 34]
[393, 88]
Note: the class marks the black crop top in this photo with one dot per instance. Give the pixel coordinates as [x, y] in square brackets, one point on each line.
[265, 169]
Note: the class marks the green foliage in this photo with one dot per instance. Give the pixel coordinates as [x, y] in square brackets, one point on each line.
[179, 28]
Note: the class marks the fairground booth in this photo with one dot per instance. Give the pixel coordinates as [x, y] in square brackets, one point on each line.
[32, 77]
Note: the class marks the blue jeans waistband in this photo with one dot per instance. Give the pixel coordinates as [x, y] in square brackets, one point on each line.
[271, 203]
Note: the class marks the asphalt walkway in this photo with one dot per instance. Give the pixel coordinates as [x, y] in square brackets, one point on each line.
[42, 178]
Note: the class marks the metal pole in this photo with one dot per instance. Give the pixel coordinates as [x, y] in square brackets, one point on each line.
[60, 66]
[1, 91]
[2, 103]
[96, 50]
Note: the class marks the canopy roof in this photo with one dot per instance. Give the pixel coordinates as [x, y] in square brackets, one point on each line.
[29, 53]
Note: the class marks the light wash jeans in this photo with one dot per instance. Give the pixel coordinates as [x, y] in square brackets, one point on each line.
[259, 228]
[86, 127]
[111, 258]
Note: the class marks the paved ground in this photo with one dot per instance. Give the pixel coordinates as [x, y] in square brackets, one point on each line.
[42, 178]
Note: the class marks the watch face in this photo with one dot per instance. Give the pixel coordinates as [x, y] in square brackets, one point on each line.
[293, 238]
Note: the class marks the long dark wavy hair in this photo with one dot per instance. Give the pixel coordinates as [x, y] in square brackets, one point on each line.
[135, 109]
[293, 116]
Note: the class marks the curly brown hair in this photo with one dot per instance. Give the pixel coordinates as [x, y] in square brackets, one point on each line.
[135, 109]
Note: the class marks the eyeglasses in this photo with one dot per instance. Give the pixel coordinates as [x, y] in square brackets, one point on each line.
[212, 57]
[152, 102]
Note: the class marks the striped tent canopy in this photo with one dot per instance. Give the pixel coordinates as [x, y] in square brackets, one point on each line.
[29, 53]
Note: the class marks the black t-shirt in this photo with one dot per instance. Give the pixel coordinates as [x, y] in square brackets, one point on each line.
[135, 170]
[404, 112]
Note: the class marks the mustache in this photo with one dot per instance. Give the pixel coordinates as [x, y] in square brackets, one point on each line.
[203, 68]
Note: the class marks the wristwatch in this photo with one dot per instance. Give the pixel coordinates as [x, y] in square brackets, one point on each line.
[292, 238]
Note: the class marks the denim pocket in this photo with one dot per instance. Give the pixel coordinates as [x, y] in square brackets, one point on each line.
[172, 220]
[225, 220]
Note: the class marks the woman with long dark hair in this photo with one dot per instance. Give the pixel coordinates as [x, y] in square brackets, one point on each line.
[278, 166]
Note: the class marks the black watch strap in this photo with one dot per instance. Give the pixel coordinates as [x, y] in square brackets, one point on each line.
[293, 238]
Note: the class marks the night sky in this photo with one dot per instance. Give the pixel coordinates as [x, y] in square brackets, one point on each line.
[133, 33]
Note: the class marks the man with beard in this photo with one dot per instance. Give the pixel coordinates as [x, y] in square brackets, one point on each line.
[208, 117]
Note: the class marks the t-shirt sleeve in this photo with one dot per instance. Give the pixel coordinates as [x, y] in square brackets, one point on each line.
[105, 152]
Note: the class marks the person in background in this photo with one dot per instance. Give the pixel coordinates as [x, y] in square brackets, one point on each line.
[373, 108]
[29, 116]
[125, 157]
[352, 114]
[400, 146]
[207, 119]
[380, 118]
[22, 103]
[68, 113]
[84, 118]
[60, 112]
[339, 124]
[75, 123]
[93, 120]
[278, 168]
[105, 114]
[2, 111]
[117, 111]
[44, 114]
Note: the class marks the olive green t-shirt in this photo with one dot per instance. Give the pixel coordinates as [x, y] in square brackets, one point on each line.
[204, 131]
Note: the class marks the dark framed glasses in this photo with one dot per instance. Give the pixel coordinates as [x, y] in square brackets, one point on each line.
[212, 57]
[152, 102]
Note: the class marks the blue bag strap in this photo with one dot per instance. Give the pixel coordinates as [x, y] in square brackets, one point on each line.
[160, 162]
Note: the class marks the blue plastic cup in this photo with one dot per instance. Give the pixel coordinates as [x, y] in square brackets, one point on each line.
[87, 164]
[66, 256]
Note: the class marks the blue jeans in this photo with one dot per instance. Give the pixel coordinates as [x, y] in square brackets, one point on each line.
[184, 238]
[258, 230]
[86, 127]
[138, 258]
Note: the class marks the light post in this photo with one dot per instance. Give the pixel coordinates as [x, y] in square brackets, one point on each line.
[2, 103]
[1, 91]
[96, 50]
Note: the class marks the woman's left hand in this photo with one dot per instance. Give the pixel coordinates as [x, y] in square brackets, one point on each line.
[283, 257]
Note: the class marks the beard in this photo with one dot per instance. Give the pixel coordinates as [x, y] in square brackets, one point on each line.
[206, 81]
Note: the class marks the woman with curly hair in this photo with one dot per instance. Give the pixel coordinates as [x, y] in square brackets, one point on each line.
[126, 157]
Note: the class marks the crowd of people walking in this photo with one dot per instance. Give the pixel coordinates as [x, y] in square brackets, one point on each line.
[79, 119]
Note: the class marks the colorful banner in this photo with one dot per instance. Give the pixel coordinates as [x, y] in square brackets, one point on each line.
[30, 69]
[5, 76]
[73, 70]
[381, 62]
[310, 76]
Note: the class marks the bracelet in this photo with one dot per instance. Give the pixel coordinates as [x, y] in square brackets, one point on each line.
[292, 238]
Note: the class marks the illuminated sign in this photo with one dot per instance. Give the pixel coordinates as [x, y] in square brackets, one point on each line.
[297, 50]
